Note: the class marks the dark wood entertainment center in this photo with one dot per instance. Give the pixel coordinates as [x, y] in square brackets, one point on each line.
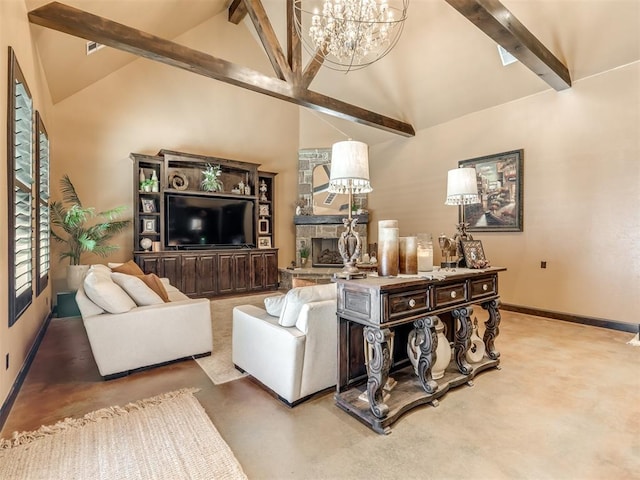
[206, 271]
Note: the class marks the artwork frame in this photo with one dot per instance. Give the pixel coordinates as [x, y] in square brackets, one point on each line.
[264, 210]
[264, 242]
[500, 188]
[149, 225]
[263, 226]
[474, 254]
[148, 205]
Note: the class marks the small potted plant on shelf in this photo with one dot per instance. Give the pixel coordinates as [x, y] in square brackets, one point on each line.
[304, 254]
[145, 185]
[71, 218]
[211, 181]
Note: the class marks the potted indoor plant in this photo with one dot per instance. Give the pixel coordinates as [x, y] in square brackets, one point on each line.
[304, 255]
[211, 181]
[71, 219]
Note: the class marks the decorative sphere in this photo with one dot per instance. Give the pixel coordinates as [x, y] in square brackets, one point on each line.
[146, 243]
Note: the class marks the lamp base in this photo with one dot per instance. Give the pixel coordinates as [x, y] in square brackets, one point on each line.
[350, 271]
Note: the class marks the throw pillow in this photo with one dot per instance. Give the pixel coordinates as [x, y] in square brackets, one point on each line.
[154, 282]
[297, 297]
[107, 295]
[137, 289]
[130, 268]
[273, 305]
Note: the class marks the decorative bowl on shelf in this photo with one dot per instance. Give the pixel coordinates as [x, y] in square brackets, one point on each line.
[146, 243]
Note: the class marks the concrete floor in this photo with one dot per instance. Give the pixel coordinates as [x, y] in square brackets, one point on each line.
[565, 405]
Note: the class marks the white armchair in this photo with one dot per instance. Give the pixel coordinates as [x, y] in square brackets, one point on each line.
[293, 354]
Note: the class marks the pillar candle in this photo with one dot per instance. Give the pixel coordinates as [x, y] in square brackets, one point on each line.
[409, 255]
[388, 248]
[425, 252]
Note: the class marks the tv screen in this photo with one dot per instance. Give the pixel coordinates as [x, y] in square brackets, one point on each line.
[209, 222]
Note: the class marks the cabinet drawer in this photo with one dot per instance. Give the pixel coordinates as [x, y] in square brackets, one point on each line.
[483, 287]
[408, 303]
[449, 294]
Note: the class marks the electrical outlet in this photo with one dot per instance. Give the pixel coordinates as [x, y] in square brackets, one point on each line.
[7, 363]
[543, 264]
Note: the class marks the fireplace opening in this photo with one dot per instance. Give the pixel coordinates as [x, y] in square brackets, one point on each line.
[325, 253]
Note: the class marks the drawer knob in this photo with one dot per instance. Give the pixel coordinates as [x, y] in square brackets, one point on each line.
[412, 303]
[454, 294]
[485, 287]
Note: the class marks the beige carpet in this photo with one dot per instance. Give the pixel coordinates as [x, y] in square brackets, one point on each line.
[165, 437]
[219, 366]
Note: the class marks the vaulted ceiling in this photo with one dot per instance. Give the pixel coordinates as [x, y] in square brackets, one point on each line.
[443, 67]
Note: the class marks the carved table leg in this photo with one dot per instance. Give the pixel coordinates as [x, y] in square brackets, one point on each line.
[378, 364]
[462, 341]
[491, 331]
[427, 351]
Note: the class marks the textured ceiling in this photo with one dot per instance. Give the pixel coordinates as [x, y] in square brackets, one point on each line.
[442, 68]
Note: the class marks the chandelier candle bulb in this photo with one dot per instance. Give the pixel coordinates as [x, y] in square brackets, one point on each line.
[408, 255]
[388, 248]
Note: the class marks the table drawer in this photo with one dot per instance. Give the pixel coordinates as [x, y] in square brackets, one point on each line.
[407, 303]
[483, 287]
[449, 294]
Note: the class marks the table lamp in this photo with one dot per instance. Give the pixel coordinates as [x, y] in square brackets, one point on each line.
[349, 174]
[462, 189]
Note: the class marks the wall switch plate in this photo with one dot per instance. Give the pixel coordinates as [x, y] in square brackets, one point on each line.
[543, 264]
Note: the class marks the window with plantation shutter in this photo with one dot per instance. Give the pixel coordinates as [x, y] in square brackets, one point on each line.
[20, 182]
[42, 206]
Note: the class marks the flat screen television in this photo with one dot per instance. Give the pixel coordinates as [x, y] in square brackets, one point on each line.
[209, 222]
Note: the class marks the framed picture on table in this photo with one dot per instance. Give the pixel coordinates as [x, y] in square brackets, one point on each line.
[148, 205]
[500, 180]
[149, 225]
[264, 242]
[263, 226]
[474, 254]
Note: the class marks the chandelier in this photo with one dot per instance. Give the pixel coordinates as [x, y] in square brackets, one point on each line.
[351, 34]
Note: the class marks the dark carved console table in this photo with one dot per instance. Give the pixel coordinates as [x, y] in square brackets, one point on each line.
[376, 316]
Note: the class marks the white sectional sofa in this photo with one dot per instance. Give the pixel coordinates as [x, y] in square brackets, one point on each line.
[291, 345]
[131, 326]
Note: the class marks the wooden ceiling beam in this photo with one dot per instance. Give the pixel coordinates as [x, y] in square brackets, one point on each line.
[73, 21]
[294, 46]
[237, 11]
[495, 20]
[267, 36]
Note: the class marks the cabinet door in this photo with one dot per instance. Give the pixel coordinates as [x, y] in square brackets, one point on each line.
[257, 271]
[226, 273]
[170, 267]
[242, 272]
[271, 270]
[206, 278]
[189, 275]
[149, 264]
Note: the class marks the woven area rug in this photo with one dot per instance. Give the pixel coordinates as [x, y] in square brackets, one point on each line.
[219, 366]
[165, 437]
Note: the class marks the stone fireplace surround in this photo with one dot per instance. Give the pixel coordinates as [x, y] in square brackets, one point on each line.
[321, 226]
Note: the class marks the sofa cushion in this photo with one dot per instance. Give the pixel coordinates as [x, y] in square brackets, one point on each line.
[130, 268]
[153, 281]
[87, 307]
[100, 269]
[273, 305]
[137, 289]
[297, 297]
[107, 295]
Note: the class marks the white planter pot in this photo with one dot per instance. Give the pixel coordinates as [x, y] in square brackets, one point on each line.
[75, 275]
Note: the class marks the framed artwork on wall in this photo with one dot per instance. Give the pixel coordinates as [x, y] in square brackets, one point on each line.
[500, 181]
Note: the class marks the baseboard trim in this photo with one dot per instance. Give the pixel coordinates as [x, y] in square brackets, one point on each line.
[15, 389]
[565, 317]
